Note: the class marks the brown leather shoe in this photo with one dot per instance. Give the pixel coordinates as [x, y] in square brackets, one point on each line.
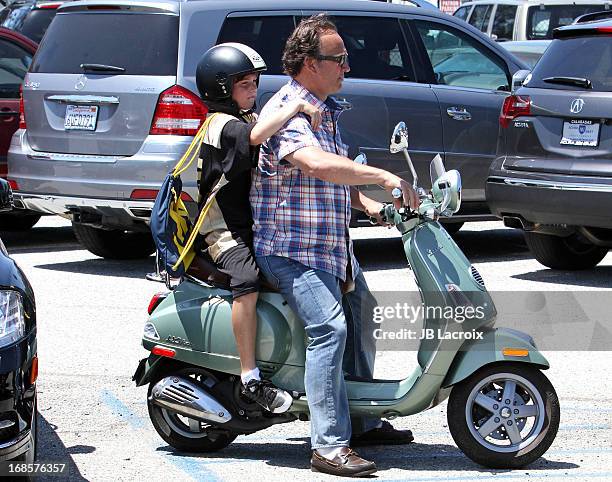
[346, 463]
[384, 435]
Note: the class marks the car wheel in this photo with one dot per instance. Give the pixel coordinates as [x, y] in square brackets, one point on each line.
[17, 221]
[114, 244]
[504, 416]
[564, 253]
[452, 228]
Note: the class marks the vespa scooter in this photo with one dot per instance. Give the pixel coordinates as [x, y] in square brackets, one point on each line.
[502, 411]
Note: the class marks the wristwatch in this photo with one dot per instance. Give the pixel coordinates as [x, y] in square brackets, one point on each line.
[396, 193]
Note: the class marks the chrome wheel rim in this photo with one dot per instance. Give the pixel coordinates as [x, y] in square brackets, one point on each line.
[505, 412]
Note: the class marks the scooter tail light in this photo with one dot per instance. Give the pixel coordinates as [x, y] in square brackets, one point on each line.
[519, 352]
[514, 106]
[155, 301]
[163, 351]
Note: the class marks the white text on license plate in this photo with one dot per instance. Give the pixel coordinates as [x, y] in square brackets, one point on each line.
[579, 132]
[81, 117]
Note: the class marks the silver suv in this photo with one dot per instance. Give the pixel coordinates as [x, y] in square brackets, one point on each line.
[110, 101]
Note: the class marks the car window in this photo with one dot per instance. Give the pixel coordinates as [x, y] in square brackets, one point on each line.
[267, 35]
[582, 57]
[543, 19]
[14, 63]
[376, 48]
[480, 17]
[462, 12]
[117, 39]
[458, 59]
[35, 24]
[503, 22]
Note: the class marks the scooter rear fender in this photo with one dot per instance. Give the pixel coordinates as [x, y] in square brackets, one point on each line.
[147, 368]
[476, 354]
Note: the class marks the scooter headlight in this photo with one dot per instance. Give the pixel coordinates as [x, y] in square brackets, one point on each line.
[12, 323]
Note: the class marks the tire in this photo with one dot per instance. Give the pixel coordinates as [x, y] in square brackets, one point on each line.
[15, 221]
[114, 244]
[564, 253]
[497, 450]
[179, 431]
[452, 228]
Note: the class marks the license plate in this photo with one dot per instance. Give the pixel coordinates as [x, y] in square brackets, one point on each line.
[81, 117]
[578, 132]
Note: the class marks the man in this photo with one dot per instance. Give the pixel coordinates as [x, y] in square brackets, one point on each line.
[301, 203]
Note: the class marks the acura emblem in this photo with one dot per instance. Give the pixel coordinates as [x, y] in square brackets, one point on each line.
[80, 85]
[576, 106]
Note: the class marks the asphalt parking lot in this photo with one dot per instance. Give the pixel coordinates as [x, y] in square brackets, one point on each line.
[90, 317]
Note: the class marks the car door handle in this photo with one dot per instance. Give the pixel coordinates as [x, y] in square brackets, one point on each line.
[342, 102]
[459, 114]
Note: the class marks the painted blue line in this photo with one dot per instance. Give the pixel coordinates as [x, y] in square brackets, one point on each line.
[119, 408]
[192, 466]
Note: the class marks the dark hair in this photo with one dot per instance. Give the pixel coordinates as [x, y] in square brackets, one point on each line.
[305, 42]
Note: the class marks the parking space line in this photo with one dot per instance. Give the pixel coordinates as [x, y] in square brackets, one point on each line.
[193, 467]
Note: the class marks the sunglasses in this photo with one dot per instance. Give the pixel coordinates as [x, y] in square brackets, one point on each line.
[341, 60]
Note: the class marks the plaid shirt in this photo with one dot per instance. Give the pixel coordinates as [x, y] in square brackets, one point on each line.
[295, 215]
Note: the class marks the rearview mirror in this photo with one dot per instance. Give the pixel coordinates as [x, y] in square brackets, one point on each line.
[6, 196]
[399, 138]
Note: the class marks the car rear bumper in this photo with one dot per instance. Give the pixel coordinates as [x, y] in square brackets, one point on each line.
[96, 190]
[549, 201]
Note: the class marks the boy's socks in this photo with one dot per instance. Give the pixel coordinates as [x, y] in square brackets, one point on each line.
[250, 375]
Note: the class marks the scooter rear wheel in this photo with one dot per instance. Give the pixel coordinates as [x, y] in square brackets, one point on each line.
[184, 433]
[506, 415]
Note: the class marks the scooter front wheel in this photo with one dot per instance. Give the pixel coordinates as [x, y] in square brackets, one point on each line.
[505, 415]
[185, 433]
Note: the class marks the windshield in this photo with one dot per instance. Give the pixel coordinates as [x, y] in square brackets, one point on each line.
[542, 20]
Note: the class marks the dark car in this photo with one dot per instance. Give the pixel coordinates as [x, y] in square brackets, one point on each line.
[18, 355]
[28, 17]
[16, 52]
[553, 174]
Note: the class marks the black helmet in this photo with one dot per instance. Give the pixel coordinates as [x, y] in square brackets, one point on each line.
[219, 66]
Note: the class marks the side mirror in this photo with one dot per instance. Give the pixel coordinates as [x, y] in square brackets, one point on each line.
[361, 159]
[518, 78]
[6, 196]
[399, 138]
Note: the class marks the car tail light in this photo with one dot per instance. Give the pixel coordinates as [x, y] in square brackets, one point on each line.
[152, 194]
[179, 112]
[604, 29]
[22, 121]
[49, 6]
[155, 301]
[514, 106]
[13, 184]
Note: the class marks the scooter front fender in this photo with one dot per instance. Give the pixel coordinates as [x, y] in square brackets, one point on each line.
[478, 353]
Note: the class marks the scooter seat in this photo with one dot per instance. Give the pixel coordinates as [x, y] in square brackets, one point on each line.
[203, 268]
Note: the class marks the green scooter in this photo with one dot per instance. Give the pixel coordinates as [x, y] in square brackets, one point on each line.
[502, 411]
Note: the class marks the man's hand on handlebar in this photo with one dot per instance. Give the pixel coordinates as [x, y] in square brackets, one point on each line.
[408, 195]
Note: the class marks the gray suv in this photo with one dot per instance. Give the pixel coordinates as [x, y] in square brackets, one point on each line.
[553, 174]
[110, 101]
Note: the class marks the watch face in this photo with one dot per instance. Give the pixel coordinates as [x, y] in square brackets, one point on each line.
[396, 193]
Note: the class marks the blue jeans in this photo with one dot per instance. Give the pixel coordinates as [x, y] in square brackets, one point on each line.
[339, 338]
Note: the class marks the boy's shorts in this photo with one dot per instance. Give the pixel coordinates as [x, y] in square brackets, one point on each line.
[238, 262]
